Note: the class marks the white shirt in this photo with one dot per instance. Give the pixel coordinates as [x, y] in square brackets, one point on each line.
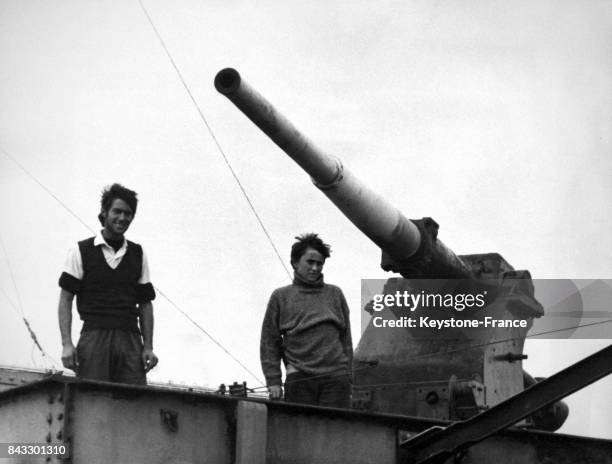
[74, 261]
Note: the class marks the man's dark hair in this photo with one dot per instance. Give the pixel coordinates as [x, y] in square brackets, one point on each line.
[111, 193]
[305, 241]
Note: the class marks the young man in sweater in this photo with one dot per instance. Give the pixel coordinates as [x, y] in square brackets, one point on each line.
[307, 326]
[110, 277]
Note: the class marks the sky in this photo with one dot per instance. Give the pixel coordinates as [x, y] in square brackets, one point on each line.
[491, 117]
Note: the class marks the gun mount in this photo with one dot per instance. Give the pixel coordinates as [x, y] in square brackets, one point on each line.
[414, 371]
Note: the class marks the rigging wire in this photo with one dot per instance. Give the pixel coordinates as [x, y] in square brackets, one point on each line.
[209, 335]
[11, 302]
[10, 269]
[214, 138]
[19, 307]
[172, 303]
[45, 188]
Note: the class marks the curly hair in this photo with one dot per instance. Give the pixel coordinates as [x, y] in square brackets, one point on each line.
[111, 192]
[305, 241]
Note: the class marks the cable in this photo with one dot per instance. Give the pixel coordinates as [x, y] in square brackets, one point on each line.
[569, 328]
[208, 335]
[214, 138]
[20, 306]
[10, 269]
[37, 343]
[11, 303]
[45, 188]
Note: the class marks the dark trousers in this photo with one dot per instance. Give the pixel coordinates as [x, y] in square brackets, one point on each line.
[332, 390]
[112, 355]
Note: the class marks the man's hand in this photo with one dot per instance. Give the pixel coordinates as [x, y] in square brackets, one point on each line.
[69, 357]
[276, 392]
[149, 360]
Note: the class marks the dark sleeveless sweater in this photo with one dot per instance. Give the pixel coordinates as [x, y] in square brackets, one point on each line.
[108, 298]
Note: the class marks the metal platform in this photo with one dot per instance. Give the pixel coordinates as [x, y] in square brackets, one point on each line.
[102, 422]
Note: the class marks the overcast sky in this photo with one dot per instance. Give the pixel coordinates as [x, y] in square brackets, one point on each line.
[491, 117]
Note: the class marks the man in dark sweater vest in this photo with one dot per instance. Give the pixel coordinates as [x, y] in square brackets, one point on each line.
[110, 277]
[307, 326]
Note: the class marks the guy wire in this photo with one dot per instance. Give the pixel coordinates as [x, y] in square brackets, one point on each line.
[20, 308]
[214, 138]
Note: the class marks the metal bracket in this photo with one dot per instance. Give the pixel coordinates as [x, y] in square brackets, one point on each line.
[433, 401]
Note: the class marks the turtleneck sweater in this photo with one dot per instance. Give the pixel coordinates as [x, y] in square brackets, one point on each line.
[307, 326]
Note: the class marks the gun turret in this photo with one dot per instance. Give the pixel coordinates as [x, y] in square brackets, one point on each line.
[413, 371]
[409, 247]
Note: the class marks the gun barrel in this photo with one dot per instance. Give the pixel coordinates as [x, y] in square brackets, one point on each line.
[384, 224]
[321, 167]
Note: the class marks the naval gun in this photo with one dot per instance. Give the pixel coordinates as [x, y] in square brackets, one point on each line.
[413, 370]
